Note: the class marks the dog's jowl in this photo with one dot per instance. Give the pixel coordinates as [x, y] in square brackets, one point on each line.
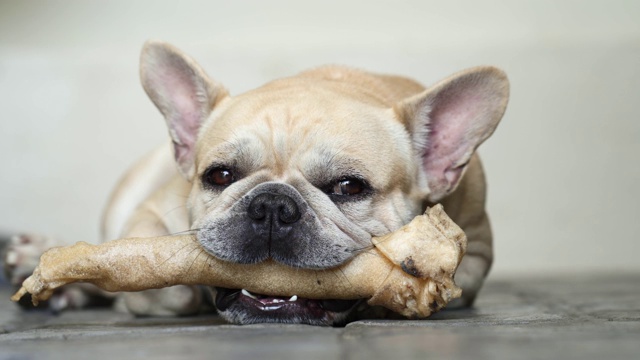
[304, 171]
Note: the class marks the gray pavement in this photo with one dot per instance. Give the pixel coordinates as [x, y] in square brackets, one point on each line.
[567, 317]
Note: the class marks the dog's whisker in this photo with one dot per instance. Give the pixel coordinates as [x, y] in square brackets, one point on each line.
[168, 212]
[190, 231]
[205, 263]
[195, 259]
[357, 250]
[350, 283]
[179, 195]
[175, 253]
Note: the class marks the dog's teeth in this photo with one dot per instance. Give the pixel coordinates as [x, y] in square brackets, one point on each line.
[248, 294]
[293, 298]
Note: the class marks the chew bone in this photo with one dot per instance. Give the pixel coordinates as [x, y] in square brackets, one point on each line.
[409, 271]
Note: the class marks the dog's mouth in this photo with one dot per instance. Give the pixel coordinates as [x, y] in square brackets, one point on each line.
[243, 307]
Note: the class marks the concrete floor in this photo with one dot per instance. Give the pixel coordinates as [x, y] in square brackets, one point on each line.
[569, 317]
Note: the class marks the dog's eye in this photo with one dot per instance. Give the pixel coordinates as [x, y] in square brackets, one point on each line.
[348, 187]
[219, 177]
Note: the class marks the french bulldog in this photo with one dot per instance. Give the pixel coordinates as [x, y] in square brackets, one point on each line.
[304, 171]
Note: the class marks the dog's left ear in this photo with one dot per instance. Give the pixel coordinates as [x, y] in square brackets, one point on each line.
[183, 93]
[451, 119]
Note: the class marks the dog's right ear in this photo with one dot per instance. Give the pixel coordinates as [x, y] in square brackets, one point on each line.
[183, 93]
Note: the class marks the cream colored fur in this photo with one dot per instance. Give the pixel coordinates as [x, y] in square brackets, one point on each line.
[360, 115]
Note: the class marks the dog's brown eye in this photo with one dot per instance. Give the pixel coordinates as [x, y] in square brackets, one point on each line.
[348, 187]
[219, 177]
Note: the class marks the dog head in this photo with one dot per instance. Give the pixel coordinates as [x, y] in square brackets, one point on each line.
[304, 170]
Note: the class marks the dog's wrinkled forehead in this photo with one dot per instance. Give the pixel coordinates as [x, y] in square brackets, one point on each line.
[315, 131]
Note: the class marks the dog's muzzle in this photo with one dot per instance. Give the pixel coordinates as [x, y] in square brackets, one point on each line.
[274, 222]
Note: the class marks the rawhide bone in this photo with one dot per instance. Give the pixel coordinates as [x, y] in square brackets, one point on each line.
[409, 271]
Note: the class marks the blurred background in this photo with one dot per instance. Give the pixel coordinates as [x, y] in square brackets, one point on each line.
[562, 166]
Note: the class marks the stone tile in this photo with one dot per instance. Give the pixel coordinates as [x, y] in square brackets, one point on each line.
[571, 317]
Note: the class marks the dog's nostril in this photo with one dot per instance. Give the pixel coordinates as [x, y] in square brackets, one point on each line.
[257, 211]
[288, 212]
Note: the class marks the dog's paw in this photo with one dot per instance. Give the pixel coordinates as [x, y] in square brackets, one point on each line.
[20, 257]
[172, 301]
[79, 296]
[22, 254]
[460, 303]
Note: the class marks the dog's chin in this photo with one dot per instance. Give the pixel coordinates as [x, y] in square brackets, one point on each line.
[242, 307]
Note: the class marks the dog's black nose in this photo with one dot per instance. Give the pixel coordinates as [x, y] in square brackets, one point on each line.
[276, 208]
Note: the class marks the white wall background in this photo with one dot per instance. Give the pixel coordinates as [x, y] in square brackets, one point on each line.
[563, 166]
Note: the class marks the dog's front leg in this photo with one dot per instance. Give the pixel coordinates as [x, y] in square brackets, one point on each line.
[466, 206]
[475, 264]
[172, 301]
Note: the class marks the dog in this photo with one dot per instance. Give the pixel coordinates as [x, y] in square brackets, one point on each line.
[304, 171]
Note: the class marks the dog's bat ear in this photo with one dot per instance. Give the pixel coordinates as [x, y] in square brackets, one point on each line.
[451, 119]
[182, 92]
